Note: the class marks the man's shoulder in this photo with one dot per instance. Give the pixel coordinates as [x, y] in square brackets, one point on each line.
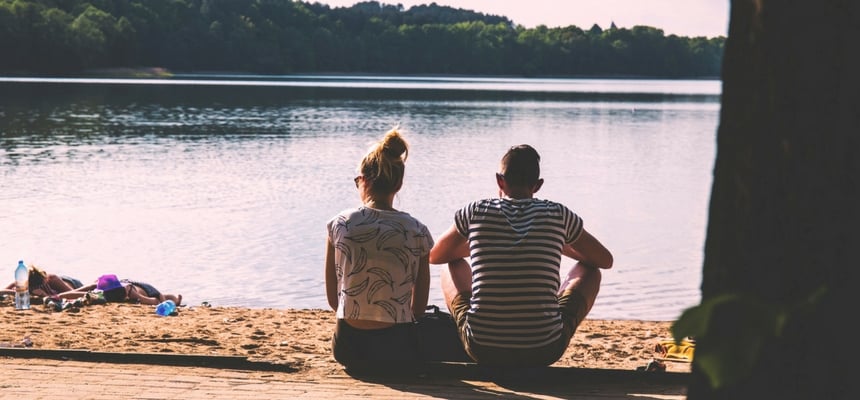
[482, 202]
[551, 203]
[554, 207]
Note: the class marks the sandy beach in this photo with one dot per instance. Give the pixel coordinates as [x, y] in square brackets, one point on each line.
[299, 338]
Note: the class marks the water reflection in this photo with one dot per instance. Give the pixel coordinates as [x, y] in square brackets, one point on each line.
[203, 188]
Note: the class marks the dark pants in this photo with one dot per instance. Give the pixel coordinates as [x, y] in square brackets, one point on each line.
[376, 350]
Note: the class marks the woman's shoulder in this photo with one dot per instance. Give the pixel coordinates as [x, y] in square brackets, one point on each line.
[343, 215]
[405, 218]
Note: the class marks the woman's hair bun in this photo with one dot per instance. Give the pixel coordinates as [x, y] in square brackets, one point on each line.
[394, 146]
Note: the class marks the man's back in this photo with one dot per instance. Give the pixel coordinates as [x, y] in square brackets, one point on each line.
[516, 248]
[509, 301]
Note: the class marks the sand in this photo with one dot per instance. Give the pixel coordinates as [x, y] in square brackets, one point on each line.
[299, 338]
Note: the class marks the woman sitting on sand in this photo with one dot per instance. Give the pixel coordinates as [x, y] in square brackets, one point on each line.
[44, 284]
[377, 273]
[117, 291]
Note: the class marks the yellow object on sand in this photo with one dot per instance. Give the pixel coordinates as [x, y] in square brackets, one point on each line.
[671, 351]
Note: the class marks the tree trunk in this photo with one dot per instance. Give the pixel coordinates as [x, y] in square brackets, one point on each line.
[784, 209]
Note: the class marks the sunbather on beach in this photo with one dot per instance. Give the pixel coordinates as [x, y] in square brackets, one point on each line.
[377, 271]
[125, 290]
[44, 284]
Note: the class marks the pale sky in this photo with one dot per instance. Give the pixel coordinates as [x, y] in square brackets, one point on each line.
[680, 17]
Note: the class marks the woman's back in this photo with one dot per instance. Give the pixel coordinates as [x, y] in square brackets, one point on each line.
[378, 253]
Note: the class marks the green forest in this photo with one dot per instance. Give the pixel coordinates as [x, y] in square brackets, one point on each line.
[51, 37]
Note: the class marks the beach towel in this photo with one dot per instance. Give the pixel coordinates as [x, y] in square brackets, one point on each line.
[669, 350]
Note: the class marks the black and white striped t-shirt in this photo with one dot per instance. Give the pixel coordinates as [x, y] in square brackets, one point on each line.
[515, 248]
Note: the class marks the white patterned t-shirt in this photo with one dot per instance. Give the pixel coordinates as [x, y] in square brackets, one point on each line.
[376, 262]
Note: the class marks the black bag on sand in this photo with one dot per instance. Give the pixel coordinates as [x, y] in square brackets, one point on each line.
[438, 338]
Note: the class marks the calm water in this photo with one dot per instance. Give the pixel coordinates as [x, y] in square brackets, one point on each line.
[219, 187]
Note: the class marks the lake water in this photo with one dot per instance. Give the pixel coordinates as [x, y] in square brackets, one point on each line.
[219, 187]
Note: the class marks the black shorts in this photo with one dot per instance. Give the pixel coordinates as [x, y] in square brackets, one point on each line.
[387, 349]
[150, 290]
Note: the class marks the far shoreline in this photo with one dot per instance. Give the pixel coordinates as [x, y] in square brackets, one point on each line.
[165, 73]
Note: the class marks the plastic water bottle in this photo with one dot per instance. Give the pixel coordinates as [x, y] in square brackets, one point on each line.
[22, 289]
[166, 308]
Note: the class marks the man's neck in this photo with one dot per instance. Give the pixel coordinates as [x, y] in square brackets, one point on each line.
[518, 195]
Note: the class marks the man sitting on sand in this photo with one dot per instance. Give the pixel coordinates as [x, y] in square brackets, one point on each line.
[510, 305]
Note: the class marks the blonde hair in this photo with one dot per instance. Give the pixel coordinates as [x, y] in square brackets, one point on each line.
[385, 163]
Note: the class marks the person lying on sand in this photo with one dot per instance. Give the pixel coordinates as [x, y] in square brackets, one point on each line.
[117, 291]
[44, 284]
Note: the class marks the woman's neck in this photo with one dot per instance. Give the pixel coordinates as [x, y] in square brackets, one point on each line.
[379, 204]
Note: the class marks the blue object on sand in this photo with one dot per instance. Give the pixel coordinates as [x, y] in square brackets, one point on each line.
[166, 308]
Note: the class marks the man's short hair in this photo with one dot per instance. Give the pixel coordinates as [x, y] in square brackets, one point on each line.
[521, 165]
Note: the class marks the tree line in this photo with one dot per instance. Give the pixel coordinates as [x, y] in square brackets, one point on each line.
[287, 37]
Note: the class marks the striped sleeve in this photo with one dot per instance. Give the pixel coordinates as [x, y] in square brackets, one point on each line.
[572, 225]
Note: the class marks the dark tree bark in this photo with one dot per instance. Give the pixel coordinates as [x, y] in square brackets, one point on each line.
[783, 222]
